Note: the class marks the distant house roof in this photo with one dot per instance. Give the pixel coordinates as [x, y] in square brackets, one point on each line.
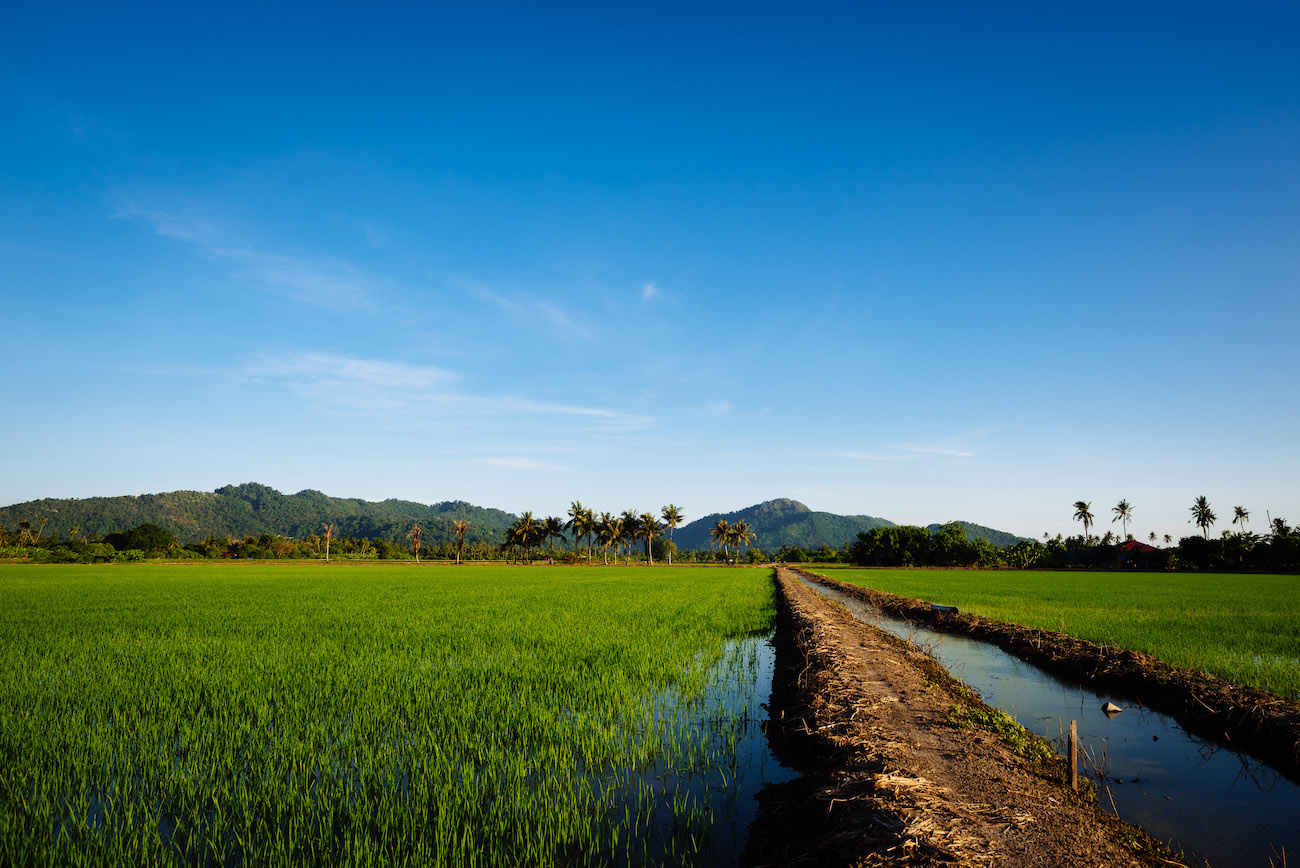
[1133, 546]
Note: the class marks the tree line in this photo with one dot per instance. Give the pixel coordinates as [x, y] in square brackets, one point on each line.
[528, 538]
[630, 535]
[622, 533]
[1276, 550]
[949, 546]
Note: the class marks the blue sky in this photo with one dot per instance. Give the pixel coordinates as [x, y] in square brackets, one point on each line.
[919, 261]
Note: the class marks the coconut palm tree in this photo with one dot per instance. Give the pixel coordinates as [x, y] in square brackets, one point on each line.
[1152, 537]
[720, 533]
[589, 528]
[26, 527]
[1082, 513]
[329, 533]
[459, 526]
[40, 526]
[1168, 539]
[1123, 514]
[553, 528]
[577, 522]
[631, 525]
[526, 533]
[672, 518]
[742, 536]
[1240, 515]
[414, 536]
[1202, 515]
[607, 532]
[618, 532]
[534, 534]
[649, 527]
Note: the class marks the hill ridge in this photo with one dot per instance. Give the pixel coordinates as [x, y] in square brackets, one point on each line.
[251, 507]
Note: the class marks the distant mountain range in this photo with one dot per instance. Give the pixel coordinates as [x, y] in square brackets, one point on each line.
[788, 522]
[239, 510]
[782, 522]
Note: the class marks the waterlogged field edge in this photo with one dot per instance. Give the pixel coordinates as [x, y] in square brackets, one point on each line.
[1243, 628]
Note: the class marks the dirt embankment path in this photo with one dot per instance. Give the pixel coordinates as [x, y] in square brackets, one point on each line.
[888, 780]
[1242, 718]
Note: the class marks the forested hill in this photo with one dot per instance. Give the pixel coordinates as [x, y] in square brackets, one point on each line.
[999, 538]
[782, 522]
[789, 522]
[252, 508]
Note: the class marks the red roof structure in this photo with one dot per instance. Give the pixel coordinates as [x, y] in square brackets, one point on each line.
[1137, 548]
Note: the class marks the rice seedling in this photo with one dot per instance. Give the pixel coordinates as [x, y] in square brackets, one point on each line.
[369, 715]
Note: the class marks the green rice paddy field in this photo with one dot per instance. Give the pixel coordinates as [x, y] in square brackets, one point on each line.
[249, 714]
[1243, 628]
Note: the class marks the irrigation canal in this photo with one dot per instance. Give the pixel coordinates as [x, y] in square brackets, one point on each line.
[1216, 805]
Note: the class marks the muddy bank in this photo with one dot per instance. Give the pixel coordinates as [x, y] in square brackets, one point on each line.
[887, 779]
[1242, 718]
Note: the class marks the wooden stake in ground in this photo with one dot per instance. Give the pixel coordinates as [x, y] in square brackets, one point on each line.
[1074, 755]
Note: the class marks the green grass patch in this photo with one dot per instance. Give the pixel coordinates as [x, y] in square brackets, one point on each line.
[1005, 727]
[360, 714]
[1244, 628]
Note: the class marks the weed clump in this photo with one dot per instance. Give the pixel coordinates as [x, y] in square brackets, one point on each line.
[1001, 724]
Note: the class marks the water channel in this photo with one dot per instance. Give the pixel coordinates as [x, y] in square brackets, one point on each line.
[1219, 807]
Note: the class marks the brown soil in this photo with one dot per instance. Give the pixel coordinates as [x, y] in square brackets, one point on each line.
[1242, 718]
[888, 780]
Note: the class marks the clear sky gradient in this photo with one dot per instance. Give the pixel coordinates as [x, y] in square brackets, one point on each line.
[922, 261]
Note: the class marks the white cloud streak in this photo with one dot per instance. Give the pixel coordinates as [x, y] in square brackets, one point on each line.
[515, 463]
[530, 311]
[938, 450]
[952, 447]
[325, 282]
[343, 383]
[854, 455]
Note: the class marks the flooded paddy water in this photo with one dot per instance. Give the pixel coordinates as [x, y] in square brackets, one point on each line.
[697, 805]
[1216, 805]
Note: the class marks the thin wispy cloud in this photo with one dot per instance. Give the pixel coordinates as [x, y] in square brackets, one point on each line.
[24, 250]
[953, 447]
[376, 236]
[350, 370]
[649, 291]
[854, 455]
[529, 311]
[347, 382]
[938, 450]
[516, 463]
[341, 383]
[322, 281]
